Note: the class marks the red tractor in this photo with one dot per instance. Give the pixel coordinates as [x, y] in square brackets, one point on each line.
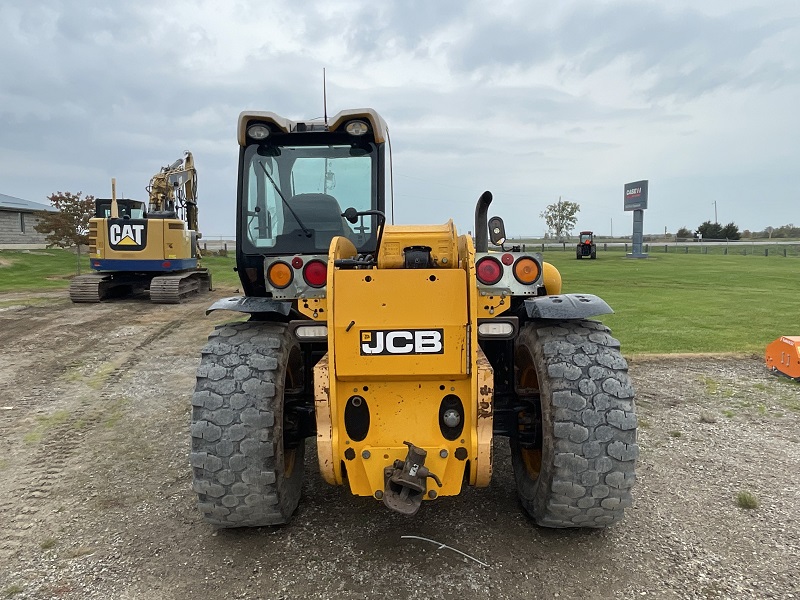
[586, 246]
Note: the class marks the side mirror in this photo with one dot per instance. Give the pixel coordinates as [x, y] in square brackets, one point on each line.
[497, 231]
[351, 214]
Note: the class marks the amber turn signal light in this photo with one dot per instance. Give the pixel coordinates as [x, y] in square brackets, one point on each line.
[526, 270]
[279, 274]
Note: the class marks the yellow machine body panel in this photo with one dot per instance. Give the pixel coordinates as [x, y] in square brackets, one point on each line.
[139, 239]
[783, 356]
[402, 344]
[552, 278]
[400, 324]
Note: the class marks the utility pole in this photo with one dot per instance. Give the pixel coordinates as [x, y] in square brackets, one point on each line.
[715, 211]
[612, 228]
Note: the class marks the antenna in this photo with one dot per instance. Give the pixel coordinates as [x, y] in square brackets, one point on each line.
[324, 97]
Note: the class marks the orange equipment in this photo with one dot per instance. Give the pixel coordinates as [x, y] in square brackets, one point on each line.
[783, 356]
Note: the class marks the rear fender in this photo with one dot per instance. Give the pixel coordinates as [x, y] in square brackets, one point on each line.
[566, 306]
[252, 305]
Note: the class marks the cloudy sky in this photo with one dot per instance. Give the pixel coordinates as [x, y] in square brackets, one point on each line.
[531, 100]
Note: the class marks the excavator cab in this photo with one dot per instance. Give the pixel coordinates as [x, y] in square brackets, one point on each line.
[128, 209]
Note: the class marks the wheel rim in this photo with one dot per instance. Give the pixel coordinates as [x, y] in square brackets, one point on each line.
[289, 454]
[289, 458]
[532, 461]
[529, 379]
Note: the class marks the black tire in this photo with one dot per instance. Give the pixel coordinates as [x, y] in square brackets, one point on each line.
[594, 254]
[582, 474]
[578, 255]
[243, 475]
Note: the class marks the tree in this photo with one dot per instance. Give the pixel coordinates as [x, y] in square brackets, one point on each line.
[710, 231]
[715, 231]
[560, 217]
[683, 233]
[69, 225]
[731, 231]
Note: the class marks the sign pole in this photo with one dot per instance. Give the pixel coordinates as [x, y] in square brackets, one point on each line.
[638, 230]
[636, 201]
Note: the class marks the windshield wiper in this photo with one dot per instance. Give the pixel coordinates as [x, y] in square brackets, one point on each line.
[305, 229]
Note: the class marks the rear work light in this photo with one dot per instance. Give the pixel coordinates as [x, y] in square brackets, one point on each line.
[356, 128]
[258, 131]
[526, 270]
[315, 273]
[279, 275]
[488, 270]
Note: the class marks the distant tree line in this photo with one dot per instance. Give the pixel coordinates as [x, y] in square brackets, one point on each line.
[784, 231]
[716, 231]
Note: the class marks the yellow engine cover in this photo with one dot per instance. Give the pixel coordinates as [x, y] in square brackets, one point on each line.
[139, 239]
[441, 239]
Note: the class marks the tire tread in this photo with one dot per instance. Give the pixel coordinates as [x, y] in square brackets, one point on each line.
[589, 426]
[237, 428]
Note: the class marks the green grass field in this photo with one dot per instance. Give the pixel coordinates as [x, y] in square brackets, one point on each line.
[669, 303]
[672, 303]
[37, 269]
[33, 270]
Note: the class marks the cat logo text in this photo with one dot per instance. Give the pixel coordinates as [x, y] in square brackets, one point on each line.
[127, 235]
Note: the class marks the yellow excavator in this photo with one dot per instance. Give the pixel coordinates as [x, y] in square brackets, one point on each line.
[135, 248]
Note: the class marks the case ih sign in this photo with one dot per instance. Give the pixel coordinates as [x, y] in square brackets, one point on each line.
[636, 195]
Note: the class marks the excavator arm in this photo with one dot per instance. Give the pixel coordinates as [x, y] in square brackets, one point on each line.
[174, 188]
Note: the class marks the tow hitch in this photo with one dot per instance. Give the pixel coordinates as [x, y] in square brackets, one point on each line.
[404, 482]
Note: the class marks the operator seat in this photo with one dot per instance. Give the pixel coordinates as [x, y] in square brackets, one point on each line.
[320, 212]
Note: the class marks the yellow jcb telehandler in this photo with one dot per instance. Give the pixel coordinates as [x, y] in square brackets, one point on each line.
[401, 350]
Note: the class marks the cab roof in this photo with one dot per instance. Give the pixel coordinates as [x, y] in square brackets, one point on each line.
[380, 130]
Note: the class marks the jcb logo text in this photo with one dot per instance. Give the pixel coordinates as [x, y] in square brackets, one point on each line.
[404, 341]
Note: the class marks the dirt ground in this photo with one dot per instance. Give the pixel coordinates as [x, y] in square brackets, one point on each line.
[95, 495]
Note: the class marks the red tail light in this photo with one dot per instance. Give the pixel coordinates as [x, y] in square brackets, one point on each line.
[489, 270]
[316, 273]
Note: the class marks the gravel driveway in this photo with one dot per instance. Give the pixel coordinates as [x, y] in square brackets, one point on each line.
[96, 502]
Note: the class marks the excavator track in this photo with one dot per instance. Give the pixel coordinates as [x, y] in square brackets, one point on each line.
[164, 289]
[171, 289]
[89, 288]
